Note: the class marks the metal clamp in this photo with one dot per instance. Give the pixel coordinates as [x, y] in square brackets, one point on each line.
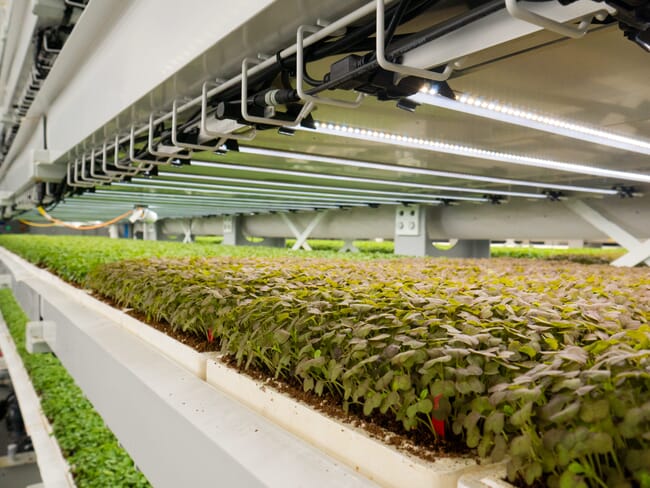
[187, 145]
[300, 75]
[400, 68]
[71, 179]
[91, 178]
[166, 154]
[265, 120]
[128, 168]
[149, 162]
[117, 175]
[93, 174]
[248, 135]
[576, 32]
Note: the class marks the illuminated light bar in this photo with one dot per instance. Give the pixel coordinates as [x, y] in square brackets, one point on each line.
[402, 169]
[503, 112]
[238, 201]
[473, 152]
[357, 191]
[283, 193]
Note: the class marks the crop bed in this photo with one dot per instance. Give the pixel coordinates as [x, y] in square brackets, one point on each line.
[547, 363]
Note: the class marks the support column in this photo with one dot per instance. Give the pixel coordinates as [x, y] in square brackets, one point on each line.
[149, 231]
[113, 231]
[638, 251]
[348, 246]
[232, 231]
[411, 238]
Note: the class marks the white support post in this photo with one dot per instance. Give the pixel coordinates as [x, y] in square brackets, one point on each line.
[638, 251]
[348, 246]
[301, 237]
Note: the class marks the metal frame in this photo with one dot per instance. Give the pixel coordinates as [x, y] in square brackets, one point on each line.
[306, 109]
[301, 237]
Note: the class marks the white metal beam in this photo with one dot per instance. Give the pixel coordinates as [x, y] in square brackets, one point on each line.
[638, 251]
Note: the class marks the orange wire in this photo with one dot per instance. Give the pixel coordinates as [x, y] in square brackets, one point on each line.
[35, 224]
[56, 221]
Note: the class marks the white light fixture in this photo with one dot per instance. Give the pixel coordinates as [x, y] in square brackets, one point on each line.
[164, 198]
[473, 152]
[357, 191]
[401, 169]
[300, 195]
[505, 112]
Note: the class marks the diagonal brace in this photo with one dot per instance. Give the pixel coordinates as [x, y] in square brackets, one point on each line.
[638, 251]
[187, 231]
[301, 237]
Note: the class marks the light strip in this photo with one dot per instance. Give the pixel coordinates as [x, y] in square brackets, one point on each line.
[472, 152]
[231, 201]
[381, 193]
[323, 176]
[400, 169]
[205, 188]
[510, 114]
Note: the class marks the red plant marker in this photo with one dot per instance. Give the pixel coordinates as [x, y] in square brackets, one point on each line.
[210, 336]
[438, 425]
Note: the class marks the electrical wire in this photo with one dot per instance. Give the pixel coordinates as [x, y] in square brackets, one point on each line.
[61, 223]
[36, 224]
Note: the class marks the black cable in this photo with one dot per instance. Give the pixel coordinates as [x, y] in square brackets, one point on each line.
[416, 40]
[396, 20]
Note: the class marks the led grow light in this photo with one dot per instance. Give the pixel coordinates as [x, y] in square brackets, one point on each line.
[210, 189]
[358, 191]
[397, 169]
[472, 152]
[504, 112]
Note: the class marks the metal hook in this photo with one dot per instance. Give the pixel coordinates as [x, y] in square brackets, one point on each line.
[133, 159]
[575, 32]
[175, 151]
[248, 135]
[188, 145]
[104, 177]
[118, 175]
[306, 109]
[130, 169]
[300, 75]
[89, 179]
[70, 178]
[400, 68]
